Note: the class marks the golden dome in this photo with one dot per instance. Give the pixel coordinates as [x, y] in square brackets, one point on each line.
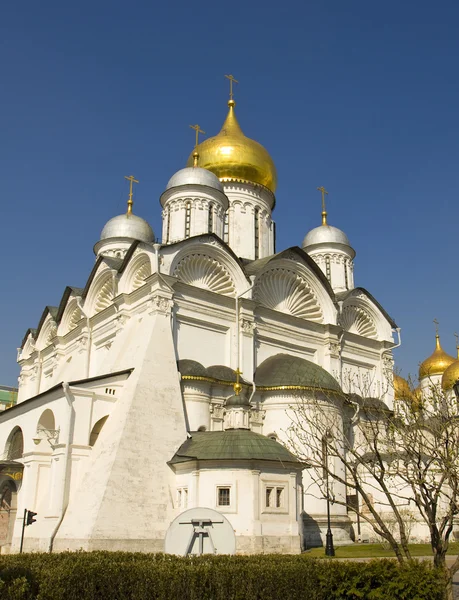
[437, 363]
[234, 157]
[451, 374]
[402, 390]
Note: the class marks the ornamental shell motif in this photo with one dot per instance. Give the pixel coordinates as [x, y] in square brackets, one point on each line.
[141, 274]
[104, 297]
[356, 320]
[288, 292]
[205, 272]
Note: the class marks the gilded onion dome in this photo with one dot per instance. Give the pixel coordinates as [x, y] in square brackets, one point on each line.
[402, 390]
[451, 374]
[234, 157]
[437, 363]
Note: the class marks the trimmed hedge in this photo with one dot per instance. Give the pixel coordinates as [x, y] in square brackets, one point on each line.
[135, 576]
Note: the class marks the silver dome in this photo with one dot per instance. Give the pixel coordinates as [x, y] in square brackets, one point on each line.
[194, 176]
[326, 234]
[128, 226]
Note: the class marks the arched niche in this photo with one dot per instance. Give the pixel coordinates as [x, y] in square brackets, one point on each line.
[15, 444]
[96, 430]
[46, 421]
[100, 295]
[47, 333]
[209, 265]
[71, 317]
[8, 509]
[137, 272]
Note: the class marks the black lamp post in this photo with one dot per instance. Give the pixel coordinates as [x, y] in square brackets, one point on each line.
[329, 548]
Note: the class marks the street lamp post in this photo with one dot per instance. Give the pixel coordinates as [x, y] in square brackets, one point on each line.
[329, 548]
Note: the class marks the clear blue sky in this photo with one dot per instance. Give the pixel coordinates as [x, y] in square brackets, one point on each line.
[362, 97]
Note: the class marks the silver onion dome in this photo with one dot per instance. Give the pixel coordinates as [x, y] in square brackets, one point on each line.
[194, 176]
[128, 226]
[325, 234]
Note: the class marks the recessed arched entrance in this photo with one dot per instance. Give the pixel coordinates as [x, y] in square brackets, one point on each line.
[8, 509]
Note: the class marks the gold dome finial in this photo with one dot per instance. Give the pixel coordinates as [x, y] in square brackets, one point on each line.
[231, 80]
[232, 156]
[438, 362]
[130, 201]
[237, 387]
[198, 130]
[324, 212]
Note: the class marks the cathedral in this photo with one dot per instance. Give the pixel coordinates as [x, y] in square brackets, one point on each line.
[164, 383]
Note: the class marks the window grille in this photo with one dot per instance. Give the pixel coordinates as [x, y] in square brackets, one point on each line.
[168, 225]
[328, 268]
[257, 233]
[187, 219]
[224, 498]
[210, 226]
[226, 228]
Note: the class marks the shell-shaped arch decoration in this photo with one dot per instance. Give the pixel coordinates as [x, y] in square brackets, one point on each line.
[356, 320]
[104, 296]
[141, 273]
[74, 318]
[205, 272]
[288, 292]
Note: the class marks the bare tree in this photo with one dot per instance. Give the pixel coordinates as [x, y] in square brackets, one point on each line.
[392, 460]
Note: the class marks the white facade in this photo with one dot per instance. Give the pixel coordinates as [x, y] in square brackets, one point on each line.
[117, 378]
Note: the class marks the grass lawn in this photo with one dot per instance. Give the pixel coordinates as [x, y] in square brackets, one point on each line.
[377, 551]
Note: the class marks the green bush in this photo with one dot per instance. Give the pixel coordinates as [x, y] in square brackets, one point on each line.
[129, 576]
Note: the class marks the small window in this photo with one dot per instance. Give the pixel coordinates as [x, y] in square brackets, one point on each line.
[328, 268]
[226, 228]
[275, 497]
[346, 279]
[188, 219]
[210, 224]
[182, 497]
[224, 498]
[257, 233]
[168, 225]
[269, 493]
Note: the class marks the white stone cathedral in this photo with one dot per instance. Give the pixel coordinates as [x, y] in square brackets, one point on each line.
[163, 384]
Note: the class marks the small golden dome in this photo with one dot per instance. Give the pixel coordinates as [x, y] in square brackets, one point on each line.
[437, 363]
[451, 374]
[234, 157]
[402, 390]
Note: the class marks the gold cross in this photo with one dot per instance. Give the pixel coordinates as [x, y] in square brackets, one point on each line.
[324, 212]
[198, 131]
[436, 326]
[130, 201]
[231, 80]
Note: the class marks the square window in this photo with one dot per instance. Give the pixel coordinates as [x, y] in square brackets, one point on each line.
[275, 497]
[224, 498]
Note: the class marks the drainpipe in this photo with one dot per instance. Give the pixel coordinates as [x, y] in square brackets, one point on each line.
[88, 326]
[157, 265]
[238, 357]
[66, 475]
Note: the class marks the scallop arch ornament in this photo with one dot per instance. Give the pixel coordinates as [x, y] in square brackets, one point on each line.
[205, 272]
[288, 292]
[356, 320]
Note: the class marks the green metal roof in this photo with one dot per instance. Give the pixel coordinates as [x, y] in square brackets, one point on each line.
[235, 444]
[8, 395]
[284, 370]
